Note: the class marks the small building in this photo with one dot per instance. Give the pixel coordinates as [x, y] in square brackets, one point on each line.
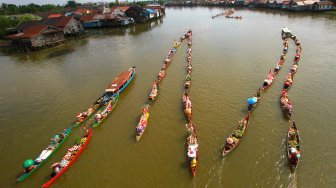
[270, 3]
[89, 22]
[68, 24]
[157, 6]
[248, 2]
[137, 13]
[322, 6]
[37, 36]
[297, 6]
[106, 20]
[150, 13]
[260, 3]
[285, 5]
[119, 10]
[239, 2]
[123, 21]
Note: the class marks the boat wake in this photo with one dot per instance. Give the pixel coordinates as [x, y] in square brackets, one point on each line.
[215, 175]
[292, 180]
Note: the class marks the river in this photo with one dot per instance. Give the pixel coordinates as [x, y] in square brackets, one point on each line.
[42, 91]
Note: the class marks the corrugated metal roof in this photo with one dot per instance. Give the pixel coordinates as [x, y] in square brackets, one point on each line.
[32, 31]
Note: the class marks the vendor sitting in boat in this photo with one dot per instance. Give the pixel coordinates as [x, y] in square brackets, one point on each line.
[28, 165]
[229, 143]
[81, 116]
[276, 68]
[294, 156]
[139, 129]
[297, 57]
[294, 68]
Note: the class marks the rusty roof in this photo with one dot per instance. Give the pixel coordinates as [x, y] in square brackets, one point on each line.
[86, 18]
[54, 15]
[122, 8]
[325, 3]
[33, 31]
[119, 80]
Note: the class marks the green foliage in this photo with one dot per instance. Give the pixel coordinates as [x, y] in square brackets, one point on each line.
[11, 9]
[8, 21]
[5, 23]
[71, 3]
[141, 3]
[161, 2]
[111, 4]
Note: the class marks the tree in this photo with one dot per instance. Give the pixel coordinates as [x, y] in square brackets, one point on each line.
[71, 3]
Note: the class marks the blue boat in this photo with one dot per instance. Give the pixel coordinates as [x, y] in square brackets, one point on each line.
[118, 84]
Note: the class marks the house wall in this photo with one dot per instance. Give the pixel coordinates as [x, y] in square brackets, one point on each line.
[47, 38]
[73, 26]
[117, 11]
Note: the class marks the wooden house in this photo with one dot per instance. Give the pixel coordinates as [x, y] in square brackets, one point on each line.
[89, 22]
[260, 3]
[119, 10]
[322, 6]
[285, 5]
[137, 13]
[68, 24]
[239, 3]
[37, 36]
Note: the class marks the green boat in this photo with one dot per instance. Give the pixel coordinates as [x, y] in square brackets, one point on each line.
[46, 153]
[105, 111]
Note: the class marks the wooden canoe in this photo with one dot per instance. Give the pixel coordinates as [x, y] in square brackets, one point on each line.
[79, 151]
[192, 148]
[140, 129]
[293, 140]
[106, 111]
[154, 92]
[268, 80]
[242, 127]
[51, 149]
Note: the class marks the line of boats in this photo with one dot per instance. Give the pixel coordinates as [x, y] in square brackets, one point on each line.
[93, 116]
[293, 138]
[143, 122]
[192, 140]
[228, 14]
[89, 119]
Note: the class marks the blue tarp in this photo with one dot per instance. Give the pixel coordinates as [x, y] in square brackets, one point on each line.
[150, 10]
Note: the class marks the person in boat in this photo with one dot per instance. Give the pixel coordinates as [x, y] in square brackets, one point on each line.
[81, 116]
[294, 68]
[139, 129]
[98, 117]
[56, 168]
[29, 165]
[229, 143]
[276, 68]
[297, 56]
[56, 139]
[294, 156]
[266, 82]
[288, 105]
